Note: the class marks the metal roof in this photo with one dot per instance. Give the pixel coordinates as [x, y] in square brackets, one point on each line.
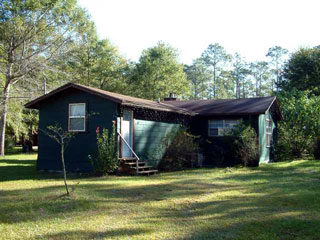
[115, 97]
[223, 107]
[217, 107]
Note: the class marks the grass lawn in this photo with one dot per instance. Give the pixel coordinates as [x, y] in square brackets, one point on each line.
[275, 201]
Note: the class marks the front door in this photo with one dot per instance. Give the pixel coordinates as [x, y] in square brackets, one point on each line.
[126, 132]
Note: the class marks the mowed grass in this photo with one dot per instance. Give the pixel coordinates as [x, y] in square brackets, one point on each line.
[275, 201]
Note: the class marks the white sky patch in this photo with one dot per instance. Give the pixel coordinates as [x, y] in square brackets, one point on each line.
[249, 27]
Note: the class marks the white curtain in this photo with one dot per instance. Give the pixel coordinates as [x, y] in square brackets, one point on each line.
[77, 110]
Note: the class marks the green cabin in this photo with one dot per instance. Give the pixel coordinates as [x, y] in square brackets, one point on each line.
[213, 118]
[142, 125]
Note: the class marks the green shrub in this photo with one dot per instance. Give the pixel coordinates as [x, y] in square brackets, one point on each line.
[284, 148]
[220, 152]
[180, 151]
[301, 125]
[106, 160]
[218, 155]
[10, 142]
[316, 151]
[246, 145]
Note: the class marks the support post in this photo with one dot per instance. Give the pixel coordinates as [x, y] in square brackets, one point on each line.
[135, 155]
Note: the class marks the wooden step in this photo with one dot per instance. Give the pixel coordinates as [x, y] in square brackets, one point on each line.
[141, 167]
[134, 163]
[148, 172]
[129, 165]
[127, 159]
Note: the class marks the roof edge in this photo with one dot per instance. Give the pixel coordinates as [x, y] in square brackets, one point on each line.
[173, 109]
[32, 104]
[278, 107]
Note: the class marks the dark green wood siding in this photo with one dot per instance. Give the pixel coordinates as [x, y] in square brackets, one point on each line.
[218, 151]
[149, 137]
[55, 110]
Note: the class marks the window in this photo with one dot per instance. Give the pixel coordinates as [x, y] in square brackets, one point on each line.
[269, 132]
[77, 117]
[221, 127]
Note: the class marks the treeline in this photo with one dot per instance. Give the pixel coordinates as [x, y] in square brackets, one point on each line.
[45, 44]
[215, 74]
[218, 74]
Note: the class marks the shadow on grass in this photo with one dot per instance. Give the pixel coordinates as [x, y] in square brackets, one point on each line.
[25, 169]
[26, 205]
[17, 161]
[289, 228]
[273, 211]
[117, 233]
[278, 175]
[16, 205]
[276, 202]
[17, 169]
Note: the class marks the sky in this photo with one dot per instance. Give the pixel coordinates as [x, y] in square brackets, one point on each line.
[249, 27]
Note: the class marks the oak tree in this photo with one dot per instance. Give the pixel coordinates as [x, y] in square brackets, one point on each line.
[32, 33]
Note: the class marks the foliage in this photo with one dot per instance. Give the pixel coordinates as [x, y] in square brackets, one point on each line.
[63, 138]
[246, 144]
[233, 77]
[21, 123]
[10, 142]
[262, 75]
[220, 152]
[32, 35]
[302, 71]
[316, 149]
[301, 125]
[199, 77]
[96, 63]
[215, 58]
[239, 75]
[109, 67]
[180, 151]
[159, 73]
[106, 160]
[276, 55]
[77, 66]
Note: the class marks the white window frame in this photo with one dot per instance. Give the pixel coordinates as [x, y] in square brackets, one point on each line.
[221, 130]
[269, 132]
[73, 117]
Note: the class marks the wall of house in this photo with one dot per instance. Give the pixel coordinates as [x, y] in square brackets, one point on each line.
[218, 151]
[149, 137]
[55, 110]
[266, 153]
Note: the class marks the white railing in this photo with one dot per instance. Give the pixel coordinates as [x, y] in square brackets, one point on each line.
[135, 155]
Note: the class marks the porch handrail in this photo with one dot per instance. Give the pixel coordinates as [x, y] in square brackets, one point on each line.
[136, 156]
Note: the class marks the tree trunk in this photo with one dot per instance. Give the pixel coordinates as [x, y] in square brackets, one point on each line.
[5, 99]
[3, 119]
[214, 82]
[277, 80]
[64, 168]
[243, 90]
[238, 88]
[260, 86]
[88, 69]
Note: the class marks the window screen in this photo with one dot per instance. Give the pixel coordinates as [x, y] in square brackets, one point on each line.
[77, 117]
[269, 132]
[221, 127]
